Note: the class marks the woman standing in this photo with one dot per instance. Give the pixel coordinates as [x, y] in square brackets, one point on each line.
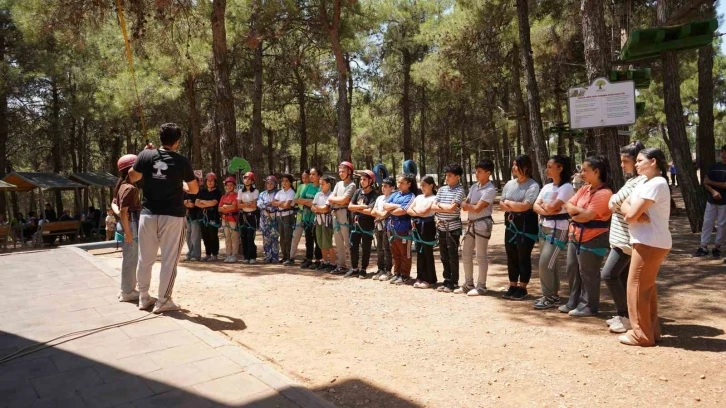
[283, 202]
[268, 223]
[207, 201]
[129, 209]
[647, 212]
[324, 224]
[230, 214]
[247, 202]
[425, 224]
[588, 238]
[615, 271]
[518, 197]
[550, 205]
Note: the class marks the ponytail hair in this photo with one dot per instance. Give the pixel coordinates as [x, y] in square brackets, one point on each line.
[651, 153]
[411, 179]
[121, 178]
[566, 164]
[601, 164]
[430, 181]
[632, 149]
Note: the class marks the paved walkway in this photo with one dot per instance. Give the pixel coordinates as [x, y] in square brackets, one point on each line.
[165, 361]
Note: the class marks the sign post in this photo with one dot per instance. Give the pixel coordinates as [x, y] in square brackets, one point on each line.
[602, 104]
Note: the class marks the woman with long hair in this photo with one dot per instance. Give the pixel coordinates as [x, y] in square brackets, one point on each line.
[588, 244]
[615, 270]
[207, 202]
[248, 218]
[425, 225]
[268, 221]
[647, 212]
[550, 205]
[128, 203]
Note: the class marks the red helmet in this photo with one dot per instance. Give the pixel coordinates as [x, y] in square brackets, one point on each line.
[369, 174]
[211, 176]
[271, 178]
[126, 161]
[230, 179]
[250, 175]
[348, 165]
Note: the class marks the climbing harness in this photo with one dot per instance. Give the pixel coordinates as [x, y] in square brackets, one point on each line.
[471, 227]
[511, 227]
[589, 224]
[416, 234]
[551, 238]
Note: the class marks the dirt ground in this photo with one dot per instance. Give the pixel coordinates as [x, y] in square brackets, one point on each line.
[364, 343]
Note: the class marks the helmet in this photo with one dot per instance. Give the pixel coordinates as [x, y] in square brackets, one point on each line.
[211, 176]
[271, 178]
[230, 179]
[348, 165]
[250, 175]
[369, 174]
[126, 161]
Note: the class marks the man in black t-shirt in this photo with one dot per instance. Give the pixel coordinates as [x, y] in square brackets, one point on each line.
[363, 223]
[162, 222]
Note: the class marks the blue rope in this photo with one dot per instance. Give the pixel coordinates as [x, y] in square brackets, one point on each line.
[513, 229]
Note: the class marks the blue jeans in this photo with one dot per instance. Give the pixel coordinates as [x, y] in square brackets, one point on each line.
[194, 240]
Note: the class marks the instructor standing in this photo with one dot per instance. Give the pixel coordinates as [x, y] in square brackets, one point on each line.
[162, 222]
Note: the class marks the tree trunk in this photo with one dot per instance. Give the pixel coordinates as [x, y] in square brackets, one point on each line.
[57, 140]
[270, 152]
[520, 107]
[303, 120]
[257, 126]
[195, 135]
[597, 64]
[224, 100]
[422, 154]
[3, 112]
[694, 197]
[406, 61]
[706, 142]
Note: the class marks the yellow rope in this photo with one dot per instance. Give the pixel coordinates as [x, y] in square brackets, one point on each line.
[130, 58]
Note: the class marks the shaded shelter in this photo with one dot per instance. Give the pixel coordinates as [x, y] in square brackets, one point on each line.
[26, 182]
[100, 180]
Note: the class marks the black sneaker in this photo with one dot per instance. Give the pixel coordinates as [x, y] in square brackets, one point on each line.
[362, 274]
[322, 266]
[701, 252]
[289, 262]
[331, 268]
[305, 264]
[511, 291]
[716, 253]
[519, 294]
[546, 302]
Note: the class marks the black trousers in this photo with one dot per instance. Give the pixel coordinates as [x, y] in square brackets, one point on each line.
[211, 240]
[425, 268]
[248, 230]
[449, 251]
[355, 242]
[311, 247]
[519, 257]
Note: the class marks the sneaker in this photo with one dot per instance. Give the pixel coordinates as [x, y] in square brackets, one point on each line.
[446, 288]
[621, 326]
[321, 266]
[350, 273]
[424, 285]
[246, 261]
[132, 296]
[565, 309]
[331, 268]
[701, 252]
[416, 284]
[581, 312]
[716, 253]
[252, 262]
[289, 262]
[193, 259]
[546, 302]
[463, 289]
[394, 279]
[377, 274]
[145, 302]
[612, 320]
[362, 274]
[206, 258]
[519, 294]
[314, 266]
[305, 264]
[478, 291]
[403, 280]
[230, 259]
[165, 305]
[511, 291]
[280, 261]
[385, 276]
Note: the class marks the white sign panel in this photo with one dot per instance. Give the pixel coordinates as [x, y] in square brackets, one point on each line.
[602, 104]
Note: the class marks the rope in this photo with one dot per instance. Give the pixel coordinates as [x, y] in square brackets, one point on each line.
[130, 58]
[416, 235]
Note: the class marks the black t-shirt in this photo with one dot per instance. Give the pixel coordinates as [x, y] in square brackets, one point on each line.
[717, 173]
[212, 212]
[192, 213]
[163, 173]
[361, 198]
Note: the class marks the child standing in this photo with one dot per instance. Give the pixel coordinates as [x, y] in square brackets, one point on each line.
[228, 208]
[129, 209]
[385, 263]
[110, 224]
[324, 224]
[400, 228]
[363, 224]
[425, 226]
[448, 222]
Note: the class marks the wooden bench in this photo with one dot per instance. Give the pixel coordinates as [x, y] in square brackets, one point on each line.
[57, 228]
[4, 236]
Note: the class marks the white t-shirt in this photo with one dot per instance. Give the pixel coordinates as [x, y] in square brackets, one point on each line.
[551, 193]
[421, 202]
[654, 233]
[248, 197]
[321, 199]
[284, 196]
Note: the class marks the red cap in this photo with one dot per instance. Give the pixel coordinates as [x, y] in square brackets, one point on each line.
[211, 176]
[348, 165]
[369, 174]
[230, 179]
[250, 175]
[271, 178]
[126, 161]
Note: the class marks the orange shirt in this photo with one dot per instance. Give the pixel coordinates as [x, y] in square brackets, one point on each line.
[597, 202]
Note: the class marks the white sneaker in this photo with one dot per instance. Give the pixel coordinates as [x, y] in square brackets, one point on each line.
[230, 259]
[145, 302]
[252, 262]
[132, 296]
[459, 290]
[424, 285]
[165, 305]
[417, 284]
[621, 326]
[612, 320]
[477, 291]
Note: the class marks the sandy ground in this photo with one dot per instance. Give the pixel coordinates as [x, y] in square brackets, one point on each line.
[364, 343]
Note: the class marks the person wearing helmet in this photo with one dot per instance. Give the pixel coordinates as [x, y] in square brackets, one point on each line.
[363, 224]
[339, 200]
[298, 233]
[308, 221]
[128, 208]
[162, 224]
[229, 210]
[283, 202]
[194, 225]
[268, 221]
[207, 202]
[249, 215]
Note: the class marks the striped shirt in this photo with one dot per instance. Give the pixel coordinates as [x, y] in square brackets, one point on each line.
[448, 195]
[619, 230]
